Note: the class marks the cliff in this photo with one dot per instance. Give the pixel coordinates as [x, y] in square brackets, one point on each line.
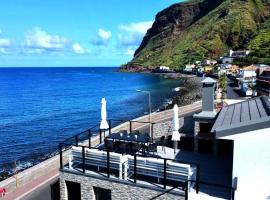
[197, 30]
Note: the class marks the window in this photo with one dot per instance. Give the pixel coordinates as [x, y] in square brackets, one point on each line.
[102, 194]
[73, 190]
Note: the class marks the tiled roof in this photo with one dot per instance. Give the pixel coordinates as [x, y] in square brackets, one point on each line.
[241, 117]
[209, 80]
[250, 68]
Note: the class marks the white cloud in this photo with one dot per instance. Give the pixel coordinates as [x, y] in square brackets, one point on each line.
[130, 52]
[4, 42]
[78, 49]
[133, 33]
[3, 51]
[40, 39]
[103, 37]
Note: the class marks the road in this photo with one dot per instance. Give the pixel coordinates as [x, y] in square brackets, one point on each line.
[41, 193]
[232, 91]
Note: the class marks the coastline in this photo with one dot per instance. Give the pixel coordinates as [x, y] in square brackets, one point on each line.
[52, 164]
[182, 97]
[186, 94]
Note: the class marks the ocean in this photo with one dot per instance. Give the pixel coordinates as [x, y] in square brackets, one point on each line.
[40, 107]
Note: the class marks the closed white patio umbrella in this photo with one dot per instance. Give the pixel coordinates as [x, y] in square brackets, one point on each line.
[175, 134]
[103, 124]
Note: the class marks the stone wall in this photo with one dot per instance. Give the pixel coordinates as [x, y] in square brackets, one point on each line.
[119, 189]
[186, 125]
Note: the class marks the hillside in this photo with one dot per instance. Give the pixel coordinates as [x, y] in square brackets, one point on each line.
[196, 30]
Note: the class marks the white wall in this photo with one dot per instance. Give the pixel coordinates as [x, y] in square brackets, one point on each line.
[247, 74]
[251, 164]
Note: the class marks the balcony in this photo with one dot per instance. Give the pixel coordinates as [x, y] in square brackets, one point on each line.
[182, 170]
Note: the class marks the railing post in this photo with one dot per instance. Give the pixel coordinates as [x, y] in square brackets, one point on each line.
[60, 155]
[197, 178]
[108, 164]
[130, 126]
[76, 140]
[152, 129]
[100, 136]
[164, 173]
[135, 168]
[89, 138]
[234, 187]
[186, 190]
[83, 159]
[110, 127]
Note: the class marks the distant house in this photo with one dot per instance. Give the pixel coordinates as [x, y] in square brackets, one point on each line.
[227, 60]
[247, 77]
[248, 124]
[210, 62]
[248, 72]
[208, 69]
[162, 69]
[198, 62]
[189, 68]
[233, 55]
[263, 81]
[238, 54]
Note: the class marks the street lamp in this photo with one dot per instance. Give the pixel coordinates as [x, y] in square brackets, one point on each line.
[149, 105]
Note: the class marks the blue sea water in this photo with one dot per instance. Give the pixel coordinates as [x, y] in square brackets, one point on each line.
[39, 107]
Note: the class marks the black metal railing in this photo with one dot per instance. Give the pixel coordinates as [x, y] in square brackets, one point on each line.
[135, 175]
[95, 131]
[196, 165]
[88, 134]
[231, 189]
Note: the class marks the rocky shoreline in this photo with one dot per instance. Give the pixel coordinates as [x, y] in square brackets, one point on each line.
[188, 93]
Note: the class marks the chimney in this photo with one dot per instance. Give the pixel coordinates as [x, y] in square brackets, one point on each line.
[208, 92]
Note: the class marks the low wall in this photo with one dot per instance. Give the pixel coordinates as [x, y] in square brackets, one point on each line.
[119, 189]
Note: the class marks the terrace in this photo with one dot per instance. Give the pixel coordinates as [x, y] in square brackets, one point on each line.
[130, 157]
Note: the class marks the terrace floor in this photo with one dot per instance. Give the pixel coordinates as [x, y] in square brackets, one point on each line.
[213, 169]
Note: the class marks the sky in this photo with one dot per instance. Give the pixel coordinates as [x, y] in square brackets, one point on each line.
[52, 33]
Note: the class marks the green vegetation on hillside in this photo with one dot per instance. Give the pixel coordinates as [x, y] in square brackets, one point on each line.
[198, 30]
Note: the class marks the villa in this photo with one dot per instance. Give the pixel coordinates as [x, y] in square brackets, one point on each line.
[247, 77]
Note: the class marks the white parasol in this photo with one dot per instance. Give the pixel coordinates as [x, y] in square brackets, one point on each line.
[103, 124]
[175, 134]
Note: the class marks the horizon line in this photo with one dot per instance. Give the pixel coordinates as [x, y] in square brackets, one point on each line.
[56, 66]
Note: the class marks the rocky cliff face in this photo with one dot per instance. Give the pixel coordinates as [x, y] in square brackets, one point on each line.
[196, 30]
[171, 21]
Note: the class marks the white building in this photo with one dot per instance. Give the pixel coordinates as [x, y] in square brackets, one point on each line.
[248, 124]
[163, 68]
[189, 67]
[239, 54]
[248, 72]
